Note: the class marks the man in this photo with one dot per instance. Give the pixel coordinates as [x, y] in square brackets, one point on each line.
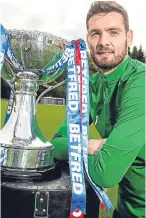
[116, 109]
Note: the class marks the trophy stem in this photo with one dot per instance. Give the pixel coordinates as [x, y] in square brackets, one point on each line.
[24, 108]
[24, 149]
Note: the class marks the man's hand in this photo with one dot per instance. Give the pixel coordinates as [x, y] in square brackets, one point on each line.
[94, 145]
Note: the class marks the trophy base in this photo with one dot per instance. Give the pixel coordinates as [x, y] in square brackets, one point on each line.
[52, 173]
[20, 199]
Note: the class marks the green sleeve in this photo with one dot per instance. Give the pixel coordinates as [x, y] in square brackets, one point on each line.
[60, 142]
[108, 166]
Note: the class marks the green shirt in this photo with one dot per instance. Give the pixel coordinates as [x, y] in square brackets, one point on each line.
[117, 110]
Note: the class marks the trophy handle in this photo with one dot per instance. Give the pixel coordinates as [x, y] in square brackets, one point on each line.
[10, 84]
[49, 88]
[10, 77]
[49, 77]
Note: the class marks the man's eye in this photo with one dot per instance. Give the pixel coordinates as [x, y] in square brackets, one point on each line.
[94, 34]
[113, 33]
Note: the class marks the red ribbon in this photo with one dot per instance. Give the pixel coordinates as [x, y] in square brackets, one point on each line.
[78, 63]
[103, 207]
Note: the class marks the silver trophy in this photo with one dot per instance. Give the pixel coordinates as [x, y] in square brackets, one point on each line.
[24, 149]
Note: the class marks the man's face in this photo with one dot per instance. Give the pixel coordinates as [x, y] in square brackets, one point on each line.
[108, 40]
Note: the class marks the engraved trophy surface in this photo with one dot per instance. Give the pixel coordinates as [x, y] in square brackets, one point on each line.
[24, 149]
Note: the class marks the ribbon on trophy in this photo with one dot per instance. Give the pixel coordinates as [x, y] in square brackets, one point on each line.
[6, 53]
[2, 46]
[75, 59]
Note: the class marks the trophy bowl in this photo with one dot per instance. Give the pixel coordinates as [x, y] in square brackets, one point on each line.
[24, 150]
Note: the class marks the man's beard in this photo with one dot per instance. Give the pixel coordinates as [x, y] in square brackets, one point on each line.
[104, 63]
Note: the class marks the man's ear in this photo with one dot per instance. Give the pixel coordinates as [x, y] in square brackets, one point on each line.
[129, 38]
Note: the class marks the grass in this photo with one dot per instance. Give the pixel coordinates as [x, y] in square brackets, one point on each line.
[50, 118]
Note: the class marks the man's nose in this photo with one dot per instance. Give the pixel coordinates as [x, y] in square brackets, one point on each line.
[103, 40]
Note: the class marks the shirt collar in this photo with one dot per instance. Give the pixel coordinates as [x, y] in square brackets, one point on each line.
[118, 72]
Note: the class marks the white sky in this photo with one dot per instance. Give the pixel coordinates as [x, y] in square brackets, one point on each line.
[65, 18]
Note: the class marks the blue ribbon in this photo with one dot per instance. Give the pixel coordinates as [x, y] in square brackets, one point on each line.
[3, 46]
[85, 127]
[9, 107]
[6, 52]
[74, 136]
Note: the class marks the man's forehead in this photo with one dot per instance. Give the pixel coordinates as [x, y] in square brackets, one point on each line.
[107, 19]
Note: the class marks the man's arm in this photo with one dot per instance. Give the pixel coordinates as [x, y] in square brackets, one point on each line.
[60, 141]
[108, 166]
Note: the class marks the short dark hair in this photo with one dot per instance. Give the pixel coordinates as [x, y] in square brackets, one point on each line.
[98, 7]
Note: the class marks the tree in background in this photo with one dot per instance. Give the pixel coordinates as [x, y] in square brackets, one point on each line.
[138, 54]
[141, 56]
[134, 53]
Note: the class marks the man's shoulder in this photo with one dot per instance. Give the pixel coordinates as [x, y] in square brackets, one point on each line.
[137, 65]
[134, 70]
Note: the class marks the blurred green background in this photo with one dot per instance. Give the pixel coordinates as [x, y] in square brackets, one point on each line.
[50, 118]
